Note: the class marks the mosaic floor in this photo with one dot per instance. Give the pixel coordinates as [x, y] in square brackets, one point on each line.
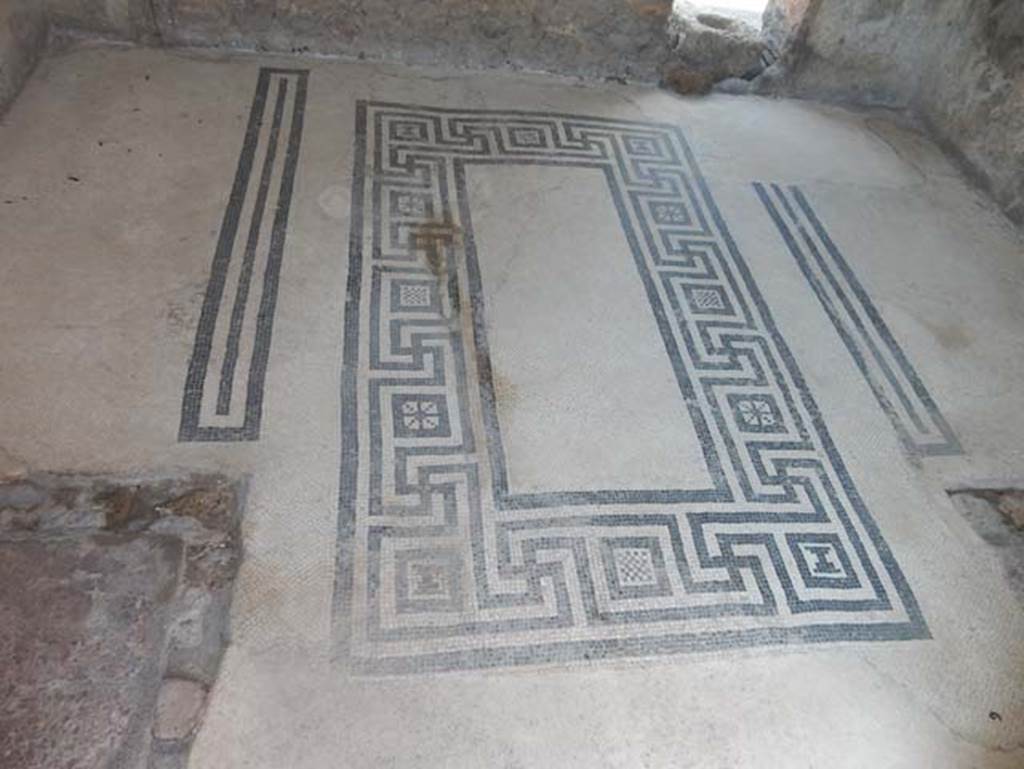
[457, 549]
[573, 417]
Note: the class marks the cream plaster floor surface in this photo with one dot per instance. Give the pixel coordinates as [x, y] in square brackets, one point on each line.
[567, 445]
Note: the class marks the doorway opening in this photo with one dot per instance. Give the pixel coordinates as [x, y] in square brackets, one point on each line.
[749, 11]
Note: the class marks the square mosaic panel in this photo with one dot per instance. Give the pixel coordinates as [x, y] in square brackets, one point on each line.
[440, 568]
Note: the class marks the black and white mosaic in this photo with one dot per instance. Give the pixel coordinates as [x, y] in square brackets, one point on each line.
[894, 381]
[210, 405]
[441, 566]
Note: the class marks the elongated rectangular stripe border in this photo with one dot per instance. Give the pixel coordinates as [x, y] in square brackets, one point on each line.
[236, 261]
[436, 571]
[895, 383]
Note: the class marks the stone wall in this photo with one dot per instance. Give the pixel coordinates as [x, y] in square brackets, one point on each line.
[121, 19]
[781, 21]
[23, 32]
[620, 38]
[959, 64]
[708, 48]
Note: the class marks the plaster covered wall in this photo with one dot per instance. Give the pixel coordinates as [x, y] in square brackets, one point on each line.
[958, 63]
[625, 38]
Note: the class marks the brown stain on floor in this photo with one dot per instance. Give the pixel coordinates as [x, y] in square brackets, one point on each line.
[435, 261]
[953, 337]
[950, 336]
[504, 389]
[431, 237]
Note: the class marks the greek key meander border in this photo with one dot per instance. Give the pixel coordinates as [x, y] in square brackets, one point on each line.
[897, 387]
[190, 428]
[737, 328]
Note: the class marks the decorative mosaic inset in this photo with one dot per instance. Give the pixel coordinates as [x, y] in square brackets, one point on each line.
[247, 261]
[756, 413]
[420, 416]
[440, 567]
[897, 387]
